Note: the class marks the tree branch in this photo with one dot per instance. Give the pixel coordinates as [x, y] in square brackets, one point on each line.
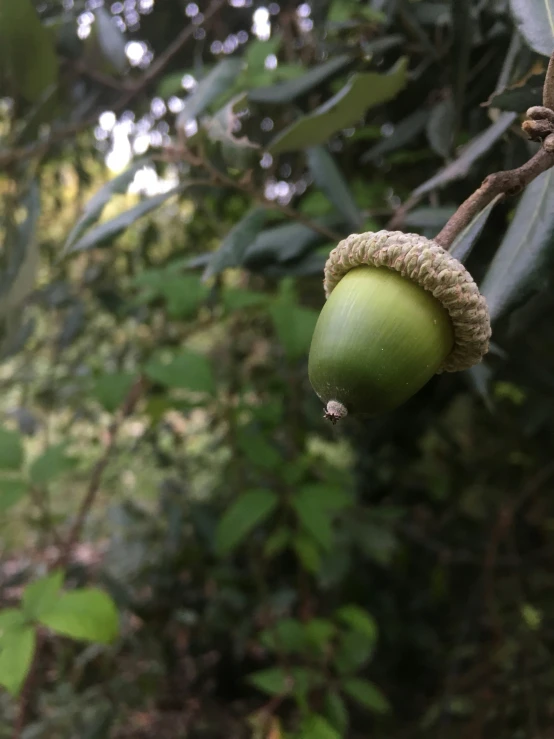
[539, 126]
[57, 135]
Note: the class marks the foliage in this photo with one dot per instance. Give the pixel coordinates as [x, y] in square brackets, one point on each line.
[188, 549]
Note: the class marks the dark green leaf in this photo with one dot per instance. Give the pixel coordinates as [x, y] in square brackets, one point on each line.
[215, 83]
[359, 620]
[273, 681]
[187, 370]
[329, 497]
[535, 22]
[316, 727]
[21, 250]
[364, 90]
[257, 450]
[336, 711]
[27, 53]
[257, 51]
[314, 518]
[51, 464]
[11, 450]
[307, 552]
[366, 694]
[16, 655]
[285, 92]
[12, 490]
[240, 237]
[93, 209]
[519, 97]
[463, 243]
[88, 614]
[277, 542]
[112, 228]
[403, 133]
[353, 651]
[524, 246]
[286, 637]
[111, 40]
[243, 515]
[110, 390]
[284, 243]
[40, 596]
[460, 167]
[329, 178]
[429, 218]
[440, 127]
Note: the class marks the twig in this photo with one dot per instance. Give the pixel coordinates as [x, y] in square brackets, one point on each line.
[539, 126]
[39, 148]
[127, 407]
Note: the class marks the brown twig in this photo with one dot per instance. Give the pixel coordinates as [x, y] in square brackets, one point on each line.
[539, 126]
[127, 407]
[39, 148]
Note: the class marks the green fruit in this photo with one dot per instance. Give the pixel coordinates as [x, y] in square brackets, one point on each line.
[378, 340]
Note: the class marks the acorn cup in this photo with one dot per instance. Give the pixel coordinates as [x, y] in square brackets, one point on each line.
[399, 310]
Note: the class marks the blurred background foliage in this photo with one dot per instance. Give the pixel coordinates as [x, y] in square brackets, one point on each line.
[173, 176]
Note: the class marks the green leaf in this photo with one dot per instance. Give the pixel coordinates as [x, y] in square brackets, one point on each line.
[366, 694]
[12, 490]
[11, 450]
[110, 390]
[524, 247]
[315, 520]
[460, 167]
[286, 242]
[307, 553]
[353, 652]
[51, 464]
[257, 51]
[88, 614]
[111, 40]
[336, 711]
[520, 96]
[93, 209]
[319, 632]
[243, 515]
[257, 450]
[285, 92]
[286, 637]
[112, 228]
[331, 498]
[21, 30]
[364, 90]
[535, 22]
[277, 542]
[40, 596]
[403, 133]
[440, 127]
[21, 257]
[329, 178]
[462, 245]
[16, 656]
[293, 324]
[218, 81]
[10, 618]
[429, 218]
[317, 727]
[359, 620]
[273, 681]
[234, 246]
[186, 370]
[235, 299]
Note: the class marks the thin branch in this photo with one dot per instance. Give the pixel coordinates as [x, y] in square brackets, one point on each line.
[39, 148]
[32, 680]
[510, 182]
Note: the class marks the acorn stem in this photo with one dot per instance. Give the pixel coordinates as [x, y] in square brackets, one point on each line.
[334, 411]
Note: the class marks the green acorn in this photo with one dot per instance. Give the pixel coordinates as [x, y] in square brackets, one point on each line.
[399, 310]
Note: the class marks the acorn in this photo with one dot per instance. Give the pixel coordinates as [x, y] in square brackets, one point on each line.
[399, 310]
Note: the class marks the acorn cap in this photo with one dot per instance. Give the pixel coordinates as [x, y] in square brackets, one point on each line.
[426, 263]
